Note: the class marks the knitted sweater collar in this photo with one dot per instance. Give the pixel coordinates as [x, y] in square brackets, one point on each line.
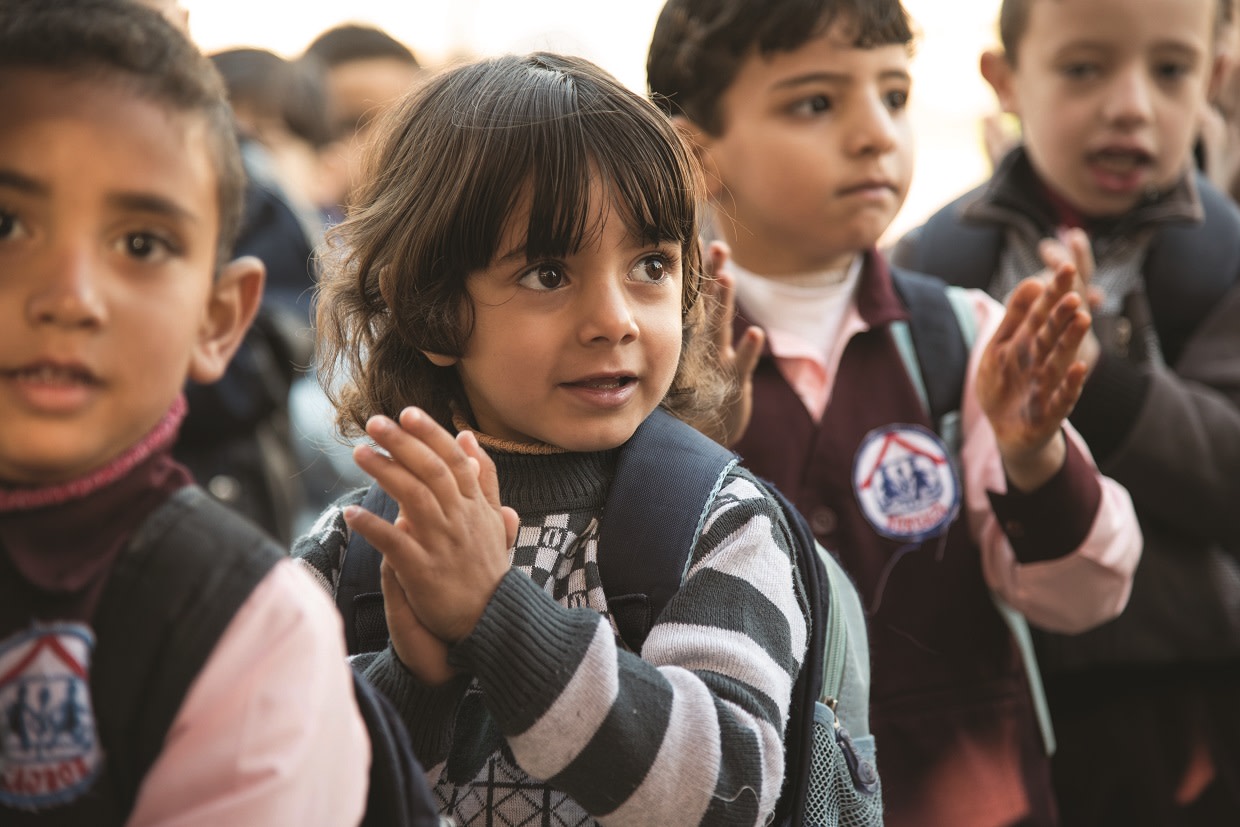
[62, 539]
[539, 478]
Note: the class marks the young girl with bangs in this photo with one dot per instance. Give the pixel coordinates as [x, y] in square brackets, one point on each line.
[518, 288]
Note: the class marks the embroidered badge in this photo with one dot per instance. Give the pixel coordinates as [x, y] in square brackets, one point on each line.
[49, 748]
[905, 482]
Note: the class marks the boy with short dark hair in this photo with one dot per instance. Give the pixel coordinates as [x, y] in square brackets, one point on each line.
[160, 661]
[367, 71]
[798, 114]
[1110, 94]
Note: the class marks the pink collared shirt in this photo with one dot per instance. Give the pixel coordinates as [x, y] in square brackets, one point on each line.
[269, 733]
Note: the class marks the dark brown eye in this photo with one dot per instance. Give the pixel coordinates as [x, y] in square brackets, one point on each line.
[651, 268]
[543, 277]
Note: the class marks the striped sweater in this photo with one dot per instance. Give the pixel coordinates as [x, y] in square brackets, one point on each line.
[553, 720]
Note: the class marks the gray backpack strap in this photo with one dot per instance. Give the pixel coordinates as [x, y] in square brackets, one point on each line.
[170, 596]
[359, 596]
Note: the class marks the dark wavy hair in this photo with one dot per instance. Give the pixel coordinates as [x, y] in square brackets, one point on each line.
[455, 159]
[119, 41]
[698, 46]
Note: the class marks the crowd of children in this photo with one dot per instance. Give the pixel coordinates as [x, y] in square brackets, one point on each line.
[1017, 430]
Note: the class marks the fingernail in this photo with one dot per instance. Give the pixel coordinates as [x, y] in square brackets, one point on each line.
[351, 512]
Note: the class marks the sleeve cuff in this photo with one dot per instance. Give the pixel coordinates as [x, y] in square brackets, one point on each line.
[1054, 520]
[523, 651]
[428, 712]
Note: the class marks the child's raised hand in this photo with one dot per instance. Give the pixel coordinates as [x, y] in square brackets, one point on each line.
[448, 546]
[737, 360]
[1029, 377]
[1071, 246]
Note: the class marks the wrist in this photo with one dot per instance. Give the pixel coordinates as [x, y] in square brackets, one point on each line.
[1028, 470]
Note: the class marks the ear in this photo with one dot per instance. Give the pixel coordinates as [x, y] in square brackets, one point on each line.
[701, 143]
[998, 73]
[231, 306]
[439, 360]
[1218, 73]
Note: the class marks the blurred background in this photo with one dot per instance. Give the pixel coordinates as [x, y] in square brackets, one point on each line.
[949, 97]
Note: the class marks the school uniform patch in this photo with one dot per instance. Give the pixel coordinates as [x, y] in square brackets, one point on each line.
[49, 746]
[905, 482]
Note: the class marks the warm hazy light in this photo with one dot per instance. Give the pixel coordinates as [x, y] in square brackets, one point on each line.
[949, 96]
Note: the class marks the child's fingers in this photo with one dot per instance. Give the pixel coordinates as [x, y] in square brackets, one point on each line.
[487, 476]
[420, 651]
[387, 538]
[718, 253]
[401, 484]
[416, 423]
[1077, 242]
[512, 522]
[1063, 329]
[425, 452]
[1019, 305]
[749, 351]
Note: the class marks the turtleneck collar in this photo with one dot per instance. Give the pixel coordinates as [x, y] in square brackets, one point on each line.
[536, 477]
[58, 543]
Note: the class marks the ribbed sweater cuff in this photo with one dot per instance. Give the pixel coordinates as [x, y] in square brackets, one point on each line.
[523, 651]
[1109, 405]
[428, 712]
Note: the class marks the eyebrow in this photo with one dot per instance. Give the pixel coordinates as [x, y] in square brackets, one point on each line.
[21, 183]
[148, 203]
[834, 78]
[130, 201]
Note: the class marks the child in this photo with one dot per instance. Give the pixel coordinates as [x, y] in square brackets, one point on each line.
[524, 270]
[367, 70]
[120, 189]
[798, 111]
[1109, 94]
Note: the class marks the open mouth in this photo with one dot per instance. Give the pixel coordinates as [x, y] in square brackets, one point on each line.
[604, 383]
[1120, 162]
[47, 374]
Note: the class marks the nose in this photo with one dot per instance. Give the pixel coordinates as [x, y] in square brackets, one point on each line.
[1129, 100]
[67, 292]
[873, 129]
[607, 312]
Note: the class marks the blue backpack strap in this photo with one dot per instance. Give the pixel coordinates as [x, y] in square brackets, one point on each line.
[359, 596]
[666, 476]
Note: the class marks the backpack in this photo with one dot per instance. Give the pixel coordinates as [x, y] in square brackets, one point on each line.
[171, 595]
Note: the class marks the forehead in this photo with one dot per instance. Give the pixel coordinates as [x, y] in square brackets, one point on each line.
[1188, 24]
[93, 136]
[831, 56]
[359, 85]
